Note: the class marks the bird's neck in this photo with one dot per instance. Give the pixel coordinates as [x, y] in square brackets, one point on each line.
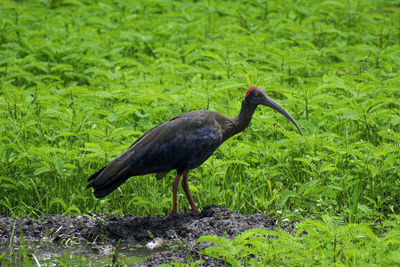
[241, 121]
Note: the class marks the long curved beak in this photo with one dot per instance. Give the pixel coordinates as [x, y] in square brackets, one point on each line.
[271, 103]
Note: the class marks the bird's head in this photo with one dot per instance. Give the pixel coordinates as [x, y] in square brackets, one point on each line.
[256, 96]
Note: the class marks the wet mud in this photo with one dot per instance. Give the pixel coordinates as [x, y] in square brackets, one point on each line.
[160, 238]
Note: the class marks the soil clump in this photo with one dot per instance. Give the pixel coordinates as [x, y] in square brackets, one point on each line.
[100, 230]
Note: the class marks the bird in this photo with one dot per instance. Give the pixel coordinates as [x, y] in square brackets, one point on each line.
[182, 144]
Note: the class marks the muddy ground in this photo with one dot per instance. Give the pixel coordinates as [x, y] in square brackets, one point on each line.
[102, 231]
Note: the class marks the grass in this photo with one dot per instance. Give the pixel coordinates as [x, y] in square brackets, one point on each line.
[80, 81]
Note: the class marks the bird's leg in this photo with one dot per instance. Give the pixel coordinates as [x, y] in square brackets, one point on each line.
[185, 187]
[175, 185]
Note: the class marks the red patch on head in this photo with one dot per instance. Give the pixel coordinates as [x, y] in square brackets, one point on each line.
[250, 89]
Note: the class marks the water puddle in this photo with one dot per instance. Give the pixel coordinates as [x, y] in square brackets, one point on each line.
[50, 254]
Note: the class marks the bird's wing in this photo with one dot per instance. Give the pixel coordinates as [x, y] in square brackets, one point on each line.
[183, 142]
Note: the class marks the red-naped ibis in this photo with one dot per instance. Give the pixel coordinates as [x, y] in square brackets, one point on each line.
[182, 143]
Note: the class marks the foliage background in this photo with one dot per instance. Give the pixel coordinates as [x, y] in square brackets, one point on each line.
[80, 81]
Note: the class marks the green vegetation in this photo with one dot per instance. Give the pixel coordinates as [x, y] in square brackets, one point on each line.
[326, 243]
[80, 81]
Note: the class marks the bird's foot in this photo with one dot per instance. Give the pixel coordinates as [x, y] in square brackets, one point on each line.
[173, 215]
[177, 214]
[195, 211]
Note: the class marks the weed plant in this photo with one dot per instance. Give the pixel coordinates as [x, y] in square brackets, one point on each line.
[327, 242]
[81, 80]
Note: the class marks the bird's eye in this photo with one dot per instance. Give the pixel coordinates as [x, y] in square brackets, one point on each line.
[257, 93]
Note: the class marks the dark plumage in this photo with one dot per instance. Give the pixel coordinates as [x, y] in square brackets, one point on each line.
[182, 143]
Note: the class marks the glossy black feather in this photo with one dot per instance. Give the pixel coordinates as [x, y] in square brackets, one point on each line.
[181, 143]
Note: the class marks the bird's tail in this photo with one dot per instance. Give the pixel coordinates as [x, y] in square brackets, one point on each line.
[107, 180]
